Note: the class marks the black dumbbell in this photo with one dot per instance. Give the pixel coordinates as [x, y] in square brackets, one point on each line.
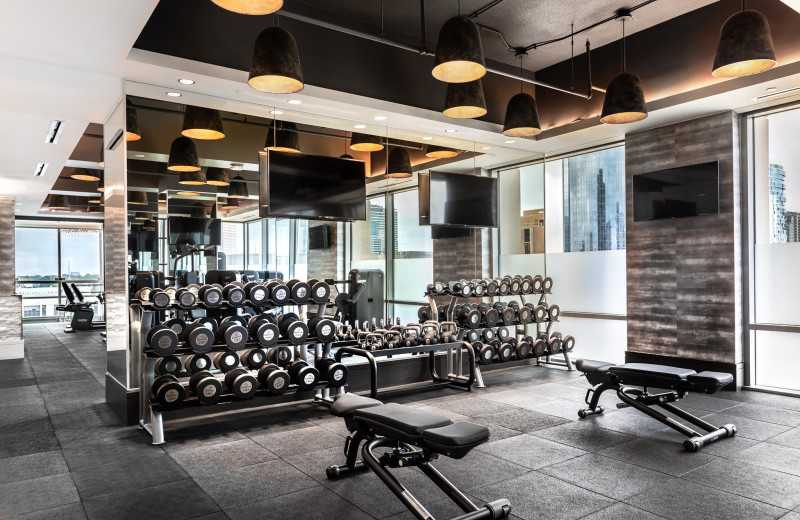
[303, 375]
[162, 340]
[539, 347]
[424, 313]
[322, 328]
[234, 294]
[489, 335]
[185, 297]
[515, 286]
[567, 343]
[160, 299]
[547, 285]
[503, 286]
[242, 383]
[256, 293]
[299, 290]
[168, 365]
[169, 392]
[278, 292]
[536, 284]
[553, 345]
[254, 358]
[474, 335]
[484, 352]
[320, 290]
[234, 334]
[553, 312]
[210, 295]
[281, 355]
[540, 313]
[209, 323]
[206, 387]
[478, 288]
[226, 361]
[275, 380]
[525, 314]
[491, 287]
[526, 287]
[503, 333]
[178, 326]
[199, 336]
[490, 315]
[506, 350]
[292, 328]
[263, 330]
[332, 371]
[468, 316]
[523, 349]
[241, 319]
[197, 363]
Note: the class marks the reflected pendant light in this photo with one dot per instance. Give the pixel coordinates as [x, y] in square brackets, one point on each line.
[459, 54]
[464, 100]
[138, 197]
[230, 203]
[95, 208]
[217, 176]
[101, 186]
[197, 178]
[198, 210]
[624, 100]
[149, 226]
[97, 200]
[365, 142]
[183, 156]
[58, 202]
[285, 139]
[141, 215]
[202, 123]
[237, 188]
[83, 174]
[188, 193]
[276, 63]
[255, 7]
[745, 46]
[346, 155]
[399, 164]
[132, 132]
[440, 152]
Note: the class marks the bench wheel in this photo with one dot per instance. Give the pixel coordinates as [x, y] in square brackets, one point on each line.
[332, 472]
[588, 411]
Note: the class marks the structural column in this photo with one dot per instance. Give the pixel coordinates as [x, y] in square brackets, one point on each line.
[11, 343]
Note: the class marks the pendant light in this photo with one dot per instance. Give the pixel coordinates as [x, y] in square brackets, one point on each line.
[255, 7]
[440, 152]
[186, 193]
[58, 202]
[132, 132]
[95, 207]
[237, 188]
[365, 142]
[276, 64]
[101, 187]
[459, 54]
[150, 225]
[183, 156]
[624, 100]
[522, 117]
[83, 174]
[283, 139]
[745, 46]
[217, 176]
[230, 203]
[95, 199]
[202, 123]
[141, 215]
[346, 155]
[198, 210]
[399, 164]
[196, 178]
[138, 198]
[464, 100]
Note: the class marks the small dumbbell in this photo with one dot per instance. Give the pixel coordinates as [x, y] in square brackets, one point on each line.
[536, 284]
[547, 285]
[292, 328]
[178, 326]
[275, 380]
[503, 333]
[525, 314]
[320, 290]
[169, 392]
[210, 295]
[553, 345]
[424, 313]
[242, 383]
[234, 294]
[197, 363]
[526, 287]
[515, 286]
[322, 328]
[254, 358]
[278, 292]
[206, 387]
[226, 361]
[162, 340]
[256, 293]
[332, 371]
[281, 356]
[303, 375]
[484, 352]
[263, 330]
[160, 298]
[199, 336]
[506, 350]
[489, 335]
[185, 297]
[234, 334]
[553, 312]
[168, 365]
[299, 290]
[468, 316]
[567, 343]
[523, 349]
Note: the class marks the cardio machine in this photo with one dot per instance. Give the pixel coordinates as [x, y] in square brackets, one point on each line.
[82, 312]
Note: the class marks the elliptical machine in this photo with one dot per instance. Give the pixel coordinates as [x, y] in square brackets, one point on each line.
[82, 312]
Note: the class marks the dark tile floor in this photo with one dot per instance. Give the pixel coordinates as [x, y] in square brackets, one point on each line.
[64, 454]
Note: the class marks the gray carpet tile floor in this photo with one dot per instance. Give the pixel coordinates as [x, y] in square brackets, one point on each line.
[65, 455]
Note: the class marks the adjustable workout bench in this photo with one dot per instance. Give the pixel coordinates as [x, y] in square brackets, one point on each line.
[677, 381]
[416, 437]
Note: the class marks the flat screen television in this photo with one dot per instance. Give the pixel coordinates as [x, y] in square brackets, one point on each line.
[688, 191]
[457, 200]
[318, 237]
[312, 187]
[194, 231]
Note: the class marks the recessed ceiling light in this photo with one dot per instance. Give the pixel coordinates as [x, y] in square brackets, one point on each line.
[772, 89]
[486, 148]
[139, 155]
[359, 126]
[294, 102]
[174, 94]
[276, 112]
[451, 130]
[186, 81]
[380, 118]
[510, 141]
[427, 138]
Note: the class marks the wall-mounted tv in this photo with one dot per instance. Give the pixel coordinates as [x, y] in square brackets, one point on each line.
[459, 200]
[194, 231]
[312, 187]
[318, 237]
[688, 191]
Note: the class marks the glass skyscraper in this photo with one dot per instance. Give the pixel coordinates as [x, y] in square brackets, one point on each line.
[777, 203]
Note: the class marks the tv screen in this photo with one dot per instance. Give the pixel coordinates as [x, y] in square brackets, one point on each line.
[194, 231]
[450, 232]
[687, 191]
[318, 237]
[312, 187]
[453, 199]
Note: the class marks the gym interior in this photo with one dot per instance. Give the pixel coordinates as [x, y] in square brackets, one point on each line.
[452, 259]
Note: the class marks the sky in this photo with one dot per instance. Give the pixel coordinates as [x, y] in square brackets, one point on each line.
[784, 127]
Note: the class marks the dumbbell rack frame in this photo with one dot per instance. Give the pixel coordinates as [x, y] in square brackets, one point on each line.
[455, 363]
[142, 317]
[547, 359]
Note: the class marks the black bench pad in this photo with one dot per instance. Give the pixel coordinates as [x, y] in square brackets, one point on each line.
[345, 405]
[397, 421]
[709, 382]
[589, 366]
[651, 371]
[456, 435]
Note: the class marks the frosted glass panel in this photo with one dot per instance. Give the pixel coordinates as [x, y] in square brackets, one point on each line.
[407, 313]
[777, 283]
[777, 355]
[591, 281]
[602, 340]
[411, 278]
[521, 264]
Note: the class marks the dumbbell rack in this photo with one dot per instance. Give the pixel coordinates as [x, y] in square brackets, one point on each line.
[142, 318]
[547, 330]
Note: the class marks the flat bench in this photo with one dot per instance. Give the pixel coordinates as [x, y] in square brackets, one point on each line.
[416, 437]
[678, 382]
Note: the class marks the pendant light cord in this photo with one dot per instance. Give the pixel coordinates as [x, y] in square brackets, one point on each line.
[459, 7]
[572, 57]
[623, 46]
[520, 73]
[381, 19]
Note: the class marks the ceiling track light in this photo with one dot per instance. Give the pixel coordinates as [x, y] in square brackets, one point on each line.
[745, 46]
[132, 131]
[459, 53]
[398, 165]
[283, 139]
[252, 7]
[464, 100]
[624, 99]
[183, 156]
[275, 67]
[202, 123]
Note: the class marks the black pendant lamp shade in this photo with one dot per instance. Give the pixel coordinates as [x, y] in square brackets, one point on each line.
[464, 100]
[132, 132]
[138, 198]
[522, 117]
[365, 142]
[237, 188]
[230, 203]
[95, 207]
[285, 139]
[276, 63]
[250, 6]
[745, 46]
[141, 215]
[217, 176]
[198, 210]
[459, 54]
[101, 186]
[202, 123]
[399, 164]
[183, 156]
[624, 101]
[440, 152]
[58, 202]
[197, 178]
[347, 156]
[84, 174]
[95, 199]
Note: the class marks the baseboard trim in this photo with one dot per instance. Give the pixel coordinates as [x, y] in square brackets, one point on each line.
[124, 402]
[12, 349]
[698, 365]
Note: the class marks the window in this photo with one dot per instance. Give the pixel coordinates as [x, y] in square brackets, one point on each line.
[301, 250]
[255, 244]
[233, 245]
[80, 254]
[368, 238]
[412, 249]
[36, 253]
[278, 246]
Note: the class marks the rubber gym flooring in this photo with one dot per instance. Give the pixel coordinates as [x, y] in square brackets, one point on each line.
[65, 455]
